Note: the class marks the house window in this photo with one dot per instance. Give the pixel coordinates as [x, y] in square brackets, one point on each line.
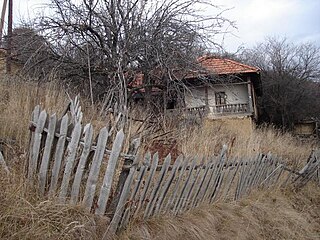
[221, 98]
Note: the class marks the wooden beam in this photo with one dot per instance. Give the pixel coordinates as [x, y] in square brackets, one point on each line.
[9, 43]
[206, 97]
[251, 110]
[3, 13]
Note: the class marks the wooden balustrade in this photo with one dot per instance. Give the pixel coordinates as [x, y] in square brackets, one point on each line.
[231, 108]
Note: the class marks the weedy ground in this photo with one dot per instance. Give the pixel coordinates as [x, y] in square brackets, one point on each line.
[276, 214]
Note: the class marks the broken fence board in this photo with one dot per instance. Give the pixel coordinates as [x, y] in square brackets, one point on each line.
[122, 201]
[247, 176]
[71, 154]
[186, 188]
[168, 183]
[36, 145]
[149, 179]
[255, 168]
[276, 182]
[127, 164]
[237, 191]
[200, 188]
[153, 197]
[258, 166]
[59, 154]
[211, 172]
[251, 174]
[259, 170]
[82, 164]
[217, 174]
[135, 189]
[190, 195]
[233, 177]
[228, 177]
[271, 174]
[220, 179]
[109, 174]
[95, 168]
[243, 176]
[264, 168]
[46, 154]
[175, 191]
[34, 118]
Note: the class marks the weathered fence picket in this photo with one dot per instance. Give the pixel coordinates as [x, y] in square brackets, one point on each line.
[167, 185]
[157, 186]
[58, 154]
[171, 200]
[69, 164]
[36, 144]
[82, 164]
[153, 169]
[123, 198]
[108, 177]
[34, 118]
[71, 155]
[95, 168]
[199, 188]
[46, 154]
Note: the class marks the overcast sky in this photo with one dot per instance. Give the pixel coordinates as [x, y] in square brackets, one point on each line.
[298, 20]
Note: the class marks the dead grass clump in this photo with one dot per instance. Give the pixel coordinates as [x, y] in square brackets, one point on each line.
[264, 215]
[17, 101]
[26, 216]
[244, 141]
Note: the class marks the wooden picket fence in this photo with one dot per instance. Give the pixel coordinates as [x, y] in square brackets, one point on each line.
[67, 163]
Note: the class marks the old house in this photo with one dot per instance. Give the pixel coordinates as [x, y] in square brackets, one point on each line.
[223, 89]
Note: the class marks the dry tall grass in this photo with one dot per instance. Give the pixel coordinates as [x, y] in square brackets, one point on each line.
[244, 141]
[17, 101]
[264, 215]
[23, 215]
[18, 98]
[278, 214]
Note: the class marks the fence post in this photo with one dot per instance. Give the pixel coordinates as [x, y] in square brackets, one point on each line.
[124, 174]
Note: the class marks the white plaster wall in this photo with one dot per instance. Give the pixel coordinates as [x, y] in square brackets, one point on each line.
[195, 97]
[235, 94]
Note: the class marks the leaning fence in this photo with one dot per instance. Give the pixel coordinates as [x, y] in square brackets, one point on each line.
[70, 165]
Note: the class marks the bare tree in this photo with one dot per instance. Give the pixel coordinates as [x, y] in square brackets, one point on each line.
[114, 40]
[32, 51]
[289, 76]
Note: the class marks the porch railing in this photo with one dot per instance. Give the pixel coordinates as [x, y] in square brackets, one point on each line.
[231, 108]
[226, 109]
[197, 110]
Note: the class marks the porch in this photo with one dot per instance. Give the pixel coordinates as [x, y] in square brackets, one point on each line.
[223, 109]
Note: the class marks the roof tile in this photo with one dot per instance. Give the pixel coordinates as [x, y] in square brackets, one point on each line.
[222, 66]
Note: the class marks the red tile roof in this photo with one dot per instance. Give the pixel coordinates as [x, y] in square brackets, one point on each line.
[211, 65]
[222, 66]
